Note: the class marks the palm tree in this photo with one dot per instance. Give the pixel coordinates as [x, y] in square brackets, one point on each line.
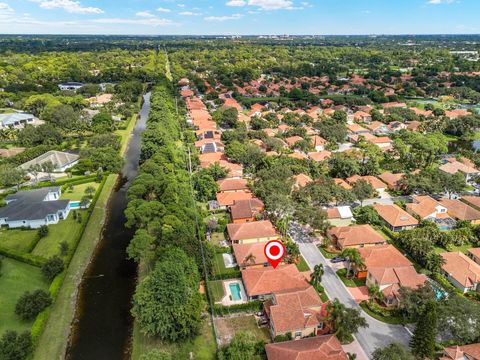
[283, 224]
[316, 275]
[375, 293]
[354, 259]
[250, 259]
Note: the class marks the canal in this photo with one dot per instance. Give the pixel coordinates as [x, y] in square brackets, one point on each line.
[103, 324]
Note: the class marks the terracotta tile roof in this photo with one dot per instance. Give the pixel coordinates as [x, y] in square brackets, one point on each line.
[292, 140]
[231, 102]
[298, 310]
[301, 180]
[242, 251]
[453, 114]
[394, 215]
[251, 230]
[359, 115]
[325, 347]
[228, 198]
[463, 352]
[372, 180]
[425, 206]
[472, 201]
[456, 166]
[382, 256]
[264, 281]
[355, 128]
[318, 140]
[244, 209]
[199, 116]
[475, 252]
[234, 170]
[402, 276]
[186, 93]
[356, 235]
[210, 158]
[461, 268]
[320, 156]
[232, 184]
[342, 183]
[391, 179]
[394, 104]
[297, 155]
[460, 210]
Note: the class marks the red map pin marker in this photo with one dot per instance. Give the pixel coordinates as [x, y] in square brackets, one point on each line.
[274, 252]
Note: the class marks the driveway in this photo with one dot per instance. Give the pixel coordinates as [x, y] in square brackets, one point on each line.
[378, 334]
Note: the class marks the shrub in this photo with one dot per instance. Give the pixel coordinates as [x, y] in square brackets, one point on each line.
[283, 338]
[52, 267]
[14, 346]
[30, 304]
[42, 231]
[252, 306]
[64, 247]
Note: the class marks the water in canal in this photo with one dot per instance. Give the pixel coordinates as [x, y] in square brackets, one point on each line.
[103, 323]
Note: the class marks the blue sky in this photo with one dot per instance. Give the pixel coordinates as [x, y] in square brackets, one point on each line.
[233, 17]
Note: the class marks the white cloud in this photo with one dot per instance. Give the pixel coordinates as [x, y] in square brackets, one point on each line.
[165, 10]
[189, 13]
[5, 8]
[181, 5]
[438, 2]
[145, 14]
[146, 21]
[70, 6]
[223, 18]
[236, 3]
[269, 4]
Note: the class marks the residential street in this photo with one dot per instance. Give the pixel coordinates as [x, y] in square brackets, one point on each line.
[378, 334]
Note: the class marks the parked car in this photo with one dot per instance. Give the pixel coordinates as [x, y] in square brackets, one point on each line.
[338, 259]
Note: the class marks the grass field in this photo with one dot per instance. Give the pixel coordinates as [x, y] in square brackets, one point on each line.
[16, 278]
[16, 239]
[216, 287]
[302, 265]
[350, 282]
[462, 248]
[66, 230]
[202, 347]
[218, 264]
[228, 327]
[78, 191]
[63, 310]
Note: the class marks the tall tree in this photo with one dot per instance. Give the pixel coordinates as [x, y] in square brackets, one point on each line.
[345, 321]
[392, 352]
[423, 340]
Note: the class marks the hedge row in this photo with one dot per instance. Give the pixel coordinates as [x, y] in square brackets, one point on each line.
[251, 306]
[23, 257]
[230, 274]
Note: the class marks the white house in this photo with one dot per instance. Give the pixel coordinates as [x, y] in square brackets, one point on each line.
[34, 208]
[61, 160]
[18, 120]
[73, 86]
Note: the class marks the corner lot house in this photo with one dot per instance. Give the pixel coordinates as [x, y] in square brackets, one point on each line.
[34, 208]
[395, 217]
[300, 313]
[261, 283]
[61, 160]
[18, 120]
[326, 347]
[461, 271]
[251, 232]
[388, 269]
[356, 236]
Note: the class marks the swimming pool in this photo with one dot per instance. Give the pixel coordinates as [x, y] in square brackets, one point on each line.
[235, 291]
[74, 204]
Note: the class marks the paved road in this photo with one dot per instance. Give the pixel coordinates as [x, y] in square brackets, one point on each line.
[378, 334]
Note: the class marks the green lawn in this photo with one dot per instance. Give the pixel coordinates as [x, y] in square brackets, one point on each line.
[203, 347]
[462, 248]
[16, 239]
[16, 278]
[302, 265]
[349, 282]
[78, 191]
[229, 326]
[386, 319]
[219, 265]
[217, 290]
[66, 230]
[326, 254]
[217, 237]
